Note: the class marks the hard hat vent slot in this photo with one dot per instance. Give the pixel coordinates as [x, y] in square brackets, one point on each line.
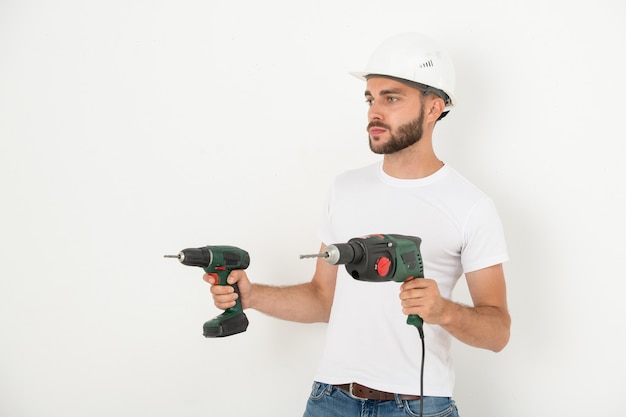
[427, 64]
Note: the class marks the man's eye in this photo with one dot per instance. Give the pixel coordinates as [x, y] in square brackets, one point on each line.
[392, 99]
[369, 101]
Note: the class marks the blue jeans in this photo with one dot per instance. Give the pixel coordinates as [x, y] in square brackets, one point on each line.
[328, 401]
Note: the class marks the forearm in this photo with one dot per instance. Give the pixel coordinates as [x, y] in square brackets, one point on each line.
[484, 327]
[304, 303]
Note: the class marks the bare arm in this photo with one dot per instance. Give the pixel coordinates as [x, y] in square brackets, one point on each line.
[306, 303]
[485, 325]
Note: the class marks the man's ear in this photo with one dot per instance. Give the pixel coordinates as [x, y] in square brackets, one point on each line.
[436, 106]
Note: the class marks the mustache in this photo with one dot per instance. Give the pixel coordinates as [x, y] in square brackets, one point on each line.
[377, 124]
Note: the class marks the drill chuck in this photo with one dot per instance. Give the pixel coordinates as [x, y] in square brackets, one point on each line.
[201, 257]
[343, 253]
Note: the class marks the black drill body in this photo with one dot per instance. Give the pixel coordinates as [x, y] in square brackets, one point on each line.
[219, 261]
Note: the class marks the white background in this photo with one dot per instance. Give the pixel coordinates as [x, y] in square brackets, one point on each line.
[130, 129]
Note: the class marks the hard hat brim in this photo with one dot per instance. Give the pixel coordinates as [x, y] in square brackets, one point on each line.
[364, 75]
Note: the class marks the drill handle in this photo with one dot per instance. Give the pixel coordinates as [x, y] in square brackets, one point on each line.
[233, 320]
[415, 320]
[222, 279]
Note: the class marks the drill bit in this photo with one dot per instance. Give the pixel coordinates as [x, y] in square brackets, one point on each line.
[315, 255]
[172, 256]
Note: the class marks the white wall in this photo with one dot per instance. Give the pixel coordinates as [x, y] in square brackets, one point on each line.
[131, 129]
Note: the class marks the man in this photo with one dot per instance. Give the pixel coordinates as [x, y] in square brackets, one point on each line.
[372, 359]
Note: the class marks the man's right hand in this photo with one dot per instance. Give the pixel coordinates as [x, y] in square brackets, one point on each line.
[224, 296]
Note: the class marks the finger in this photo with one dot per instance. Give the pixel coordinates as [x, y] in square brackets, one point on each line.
[234, 276]
[224, 305]
[412, 302]
[407, 293]
[210, 279]
[219, 290]
[224, 301]
[418, 283]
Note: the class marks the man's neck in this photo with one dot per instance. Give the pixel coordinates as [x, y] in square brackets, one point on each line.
[412, 163]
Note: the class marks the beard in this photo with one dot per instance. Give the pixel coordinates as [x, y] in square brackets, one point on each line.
[407, 135]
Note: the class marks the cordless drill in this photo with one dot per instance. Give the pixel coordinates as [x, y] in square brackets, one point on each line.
[219, 261]
[379, 258]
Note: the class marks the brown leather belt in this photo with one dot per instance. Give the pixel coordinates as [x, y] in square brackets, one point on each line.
[362, 392]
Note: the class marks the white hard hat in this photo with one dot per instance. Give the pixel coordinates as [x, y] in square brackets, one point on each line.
[416, 58]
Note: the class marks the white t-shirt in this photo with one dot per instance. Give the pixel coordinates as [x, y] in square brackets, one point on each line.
[368, 340]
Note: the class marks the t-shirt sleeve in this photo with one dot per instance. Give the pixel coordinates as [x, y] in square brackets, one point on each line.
[484, 242]
[324, 230]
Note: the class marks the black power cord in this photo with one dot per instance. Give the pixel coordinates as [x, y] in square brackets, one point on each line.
[421, 332]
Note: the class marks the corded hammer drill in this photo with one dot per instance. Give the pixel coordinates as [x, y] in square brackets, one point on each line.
[379, 258]
[219, 261]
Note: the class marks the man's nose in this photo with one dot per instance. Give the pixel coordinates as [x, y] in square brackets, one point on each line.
[374, 112]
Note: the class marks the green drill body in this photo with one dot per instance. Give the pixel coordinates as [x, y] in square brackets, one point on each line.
[219, 261]
[379, 258]
[388, 257]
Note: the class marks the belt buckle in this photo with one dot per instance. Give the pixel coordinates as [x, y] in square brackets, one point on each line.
[351, 392]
